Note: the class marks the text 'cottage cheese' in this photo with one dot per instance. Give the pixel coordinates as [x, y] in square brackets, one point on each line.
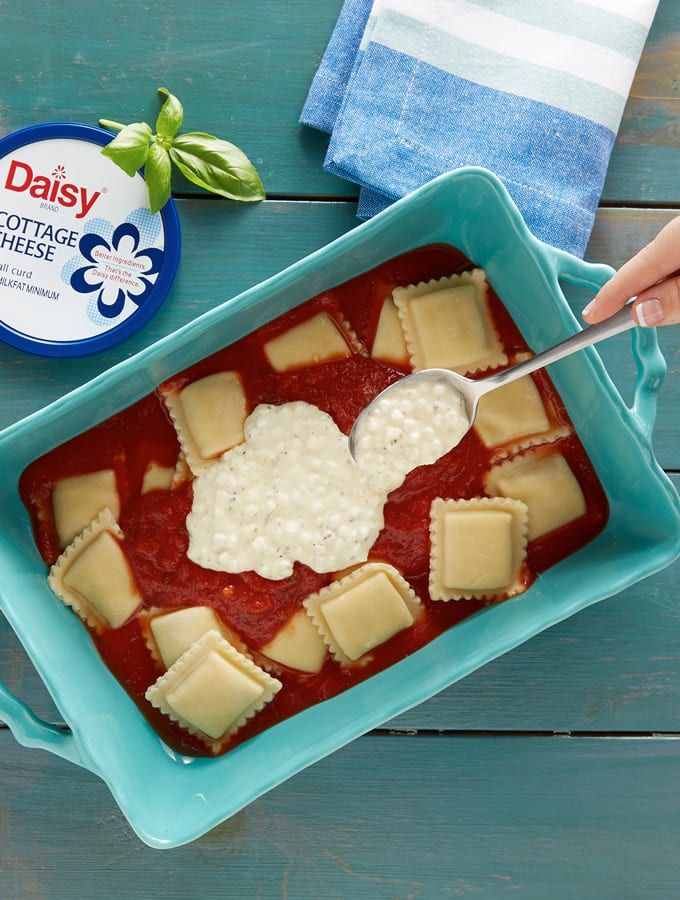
[292, 491]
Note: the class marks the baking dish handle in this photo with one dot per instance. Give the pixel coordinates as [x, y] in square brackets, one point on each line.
[30, 731]
[649, 360]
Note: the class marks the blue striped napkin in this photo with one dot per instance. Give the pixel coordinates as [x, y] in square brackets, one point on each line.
[534, 91]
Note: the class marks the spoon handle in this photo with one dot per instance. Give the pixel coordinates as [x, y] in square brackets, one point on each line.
[616, 324]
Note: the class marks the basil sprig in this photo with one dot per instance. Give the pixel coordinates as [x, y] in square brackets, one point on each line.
[205, 160]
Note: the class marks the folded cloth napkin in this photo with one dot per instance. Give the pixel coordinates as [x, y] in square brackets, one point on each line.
[409, 89]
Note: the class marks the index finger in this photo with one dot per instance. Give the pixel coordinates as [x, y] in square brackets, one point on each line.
[658, 259]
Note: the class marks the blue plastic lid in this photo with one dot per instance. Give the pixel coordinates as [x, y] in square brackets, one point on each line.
[83, 261]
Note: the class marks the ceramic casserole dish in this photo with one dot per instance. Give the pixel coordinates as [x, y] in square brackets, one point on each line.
[169, 799]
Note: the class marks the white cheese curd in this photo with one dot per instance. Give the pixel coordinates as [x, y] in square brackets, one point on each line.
[291, 492]
[412, 425]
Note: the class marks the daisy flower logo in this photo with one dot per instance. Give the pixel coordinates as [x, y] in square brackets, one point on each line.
[116, 267]
[59, 172]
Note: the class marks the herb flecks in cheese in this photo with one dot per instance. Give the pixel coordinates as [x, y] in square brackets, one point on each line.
[291, 492]
[411, 425]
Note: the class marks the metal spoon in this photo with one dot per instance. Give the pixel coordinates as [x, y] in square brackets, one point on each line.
[472, 391]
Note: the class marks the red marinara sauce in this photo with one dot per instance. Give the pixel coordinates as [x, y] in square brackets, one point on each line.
[255, 608]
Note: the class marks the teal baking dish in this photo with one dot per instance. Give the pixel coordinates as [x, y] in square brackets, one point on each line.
[170, 800]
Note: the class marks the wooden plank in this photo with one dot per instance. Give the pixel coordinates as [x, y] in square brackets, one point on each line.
[245, 77]
[241, 75]
[615, 667]
[647, 152]
[228, 248]
[392, 818]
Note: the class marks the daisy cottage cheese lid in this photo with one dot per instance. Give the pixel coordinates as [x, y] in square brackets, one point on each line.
[84, 263]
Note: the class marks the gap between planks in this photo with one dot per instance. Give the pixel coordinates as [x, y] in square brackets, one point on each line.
[489, 733]
[287, 198]
[274, 196]
[659, 206]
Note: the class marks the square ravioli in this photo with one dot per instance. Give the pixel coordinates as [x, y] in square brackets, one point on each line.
[313, 341]
[170, 633]
[478, 548]
[208, 415]
[77, 500]
[542, 479]
[448, 324]
[389, 343]
[515, 416]
[362, 610]
[297, 645]
[94, 578]
[212, 690]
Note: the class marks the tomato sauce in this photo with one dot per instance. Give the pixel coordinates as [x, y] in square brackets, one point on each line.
[255, 608]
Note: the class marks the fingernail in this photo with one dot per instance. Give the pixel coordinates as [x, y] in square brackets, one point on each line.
[650, 312]
[587, 311]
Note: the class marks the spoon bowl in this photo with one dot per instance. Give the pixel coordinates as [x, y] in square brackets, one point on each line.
[463, 387]
[470, 391]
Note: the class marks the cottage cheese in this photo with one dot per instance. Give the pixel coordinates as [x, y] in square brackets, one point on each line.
[413, 424]
[292, 492]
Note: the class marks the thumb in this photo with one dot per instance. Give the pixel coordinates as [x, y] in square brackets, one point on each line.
[659, 305]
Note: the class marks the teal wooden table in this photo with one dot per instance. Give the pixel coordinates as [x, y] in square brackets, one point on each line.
[553, 772]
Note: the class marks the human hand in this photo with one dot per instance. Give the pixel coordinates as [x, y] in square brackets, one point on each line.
[652, 276]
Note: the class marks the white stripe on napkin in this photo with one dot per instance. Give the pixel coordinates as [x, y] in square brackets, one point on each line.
[641, 11]
[578, 19]
[536, 46]
[494, 70]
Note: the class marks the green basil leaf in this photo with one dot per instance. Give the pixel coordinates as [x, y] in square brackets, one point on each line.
[157, 176]
[129, 147]
[170, 117]
[217, 166]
